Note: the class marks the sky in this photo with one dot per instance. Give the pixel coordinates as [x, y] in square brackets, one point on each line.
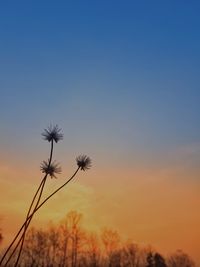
[121, 78]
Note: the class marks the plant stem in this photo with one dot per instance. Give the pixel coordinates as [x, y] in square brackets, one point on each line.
[11, 244]
[30, 217]
[37, 203]
[29, 211]
[57, 190]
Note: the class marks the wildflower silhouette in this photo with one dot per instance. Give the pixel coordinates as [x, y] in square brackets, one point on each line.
[84, 162]
[52, 134]
[51, 169]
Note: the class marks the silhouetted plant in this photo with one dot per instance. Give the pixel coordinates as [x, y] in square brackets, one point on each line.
[51, 134]
[84, 162]
[51, 169]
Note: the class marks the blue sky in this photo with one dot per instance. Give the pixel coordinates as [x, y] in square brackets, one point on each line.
[122, 77]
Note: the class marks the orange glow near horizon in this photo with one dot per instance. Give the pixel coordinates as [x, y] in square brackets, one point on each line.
[151, 207]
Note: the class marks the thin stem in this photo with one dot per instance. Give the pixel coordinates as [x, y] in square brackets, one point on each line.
[28, 213]
[37, 203]
[11, 244]
[41, 184]
[30, 217]
[13, 252]
[57, 190]
[26, 227]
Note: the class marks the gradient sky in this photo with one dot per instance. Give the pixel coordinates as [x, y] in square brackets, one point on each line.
[121, 78]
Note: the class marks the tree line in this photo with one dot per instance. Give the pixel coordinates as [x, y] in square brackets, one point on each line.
[68, 244]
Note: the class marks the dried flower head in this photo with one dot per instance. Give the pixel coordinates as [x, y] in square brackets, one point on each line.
[51, 169]
[84, 162]
[52, 133]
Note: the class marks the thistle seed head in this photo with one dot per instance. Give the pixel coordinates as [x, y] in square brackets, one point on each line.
[52, 133]
[51, 169]
[84, 162]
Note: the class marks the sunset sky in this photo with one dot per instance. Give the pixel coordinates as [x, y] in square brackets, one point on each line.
[121, 78]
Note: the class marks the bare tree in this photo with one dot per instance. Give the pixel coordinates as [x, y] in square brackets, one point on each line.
[1, 237]
[93, 250]
[130, 255]
[76, 235]
[159, 260]
[180, 259]
[65, 235]
[69, 245]
[111, 242]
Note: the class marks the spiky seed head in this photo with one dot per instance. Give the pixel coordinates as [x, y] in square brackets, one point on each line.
[84, 162]
[52, 133]
[51, 169]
